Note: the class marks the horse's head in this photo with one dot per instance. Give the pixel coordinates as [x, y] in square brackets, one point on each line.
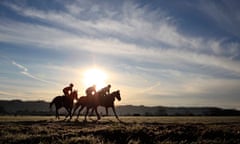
[117, 95]
[74, 94]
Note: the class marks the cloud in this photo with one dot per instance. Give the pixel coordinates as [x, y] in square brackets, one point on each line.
[131, 22]
[74, 9]
[149, 42]
[7, 95]
[224, 14]
[111, 46]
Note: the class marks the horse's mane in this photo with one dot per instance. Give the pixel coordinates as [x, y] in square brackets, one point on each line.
[74, 91]
[114, 92]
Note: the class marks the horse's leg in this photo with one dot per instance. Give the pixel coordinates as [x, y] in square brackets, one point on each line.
[91, 114]
[76, 107]
[70, 113]
[57, 114]
[67, 114]
[106, 111]
[70, 110]
[85, 119]
[113, 108]
[92, 111]
[98, 116]
[79, 112]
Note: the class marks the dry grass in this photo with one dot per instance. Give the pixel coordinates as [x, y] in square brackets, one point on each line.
[134, 130]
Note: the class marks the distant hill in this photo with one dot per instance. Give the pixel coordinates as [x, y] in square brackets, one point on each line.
[18, 107]
[175, 111]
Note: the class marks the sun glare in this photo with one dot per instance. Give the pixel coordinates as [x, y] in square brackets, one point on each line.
[95, 76]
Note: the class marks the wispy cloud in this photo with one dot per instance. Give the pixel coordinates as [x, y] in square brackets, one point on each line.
[60, 39]
[13, 95]
[225, 14]
[147, 43]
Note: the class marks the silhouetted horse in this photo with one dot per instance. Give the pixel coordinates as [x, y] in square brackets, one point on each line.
[98, 100]
[66, 102]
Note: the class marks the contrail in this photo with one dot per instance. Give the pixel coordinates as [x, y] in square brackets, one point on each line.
[25, 72]
[20, 66]
[151, 87]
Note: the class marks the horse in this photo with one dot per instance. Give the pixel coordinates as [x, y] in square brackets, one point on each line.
[106, 101]
[66, 102]
[89, 102]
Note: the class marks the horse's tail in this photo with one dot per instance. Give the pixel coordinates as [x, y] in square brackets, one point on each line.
[50, 105]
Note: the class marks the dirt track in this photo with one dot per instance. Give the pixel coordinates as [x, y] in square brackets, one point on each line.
[108, 131]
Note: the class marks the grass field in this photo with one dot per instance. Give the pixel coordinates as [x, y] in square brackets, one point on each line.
[135, 130]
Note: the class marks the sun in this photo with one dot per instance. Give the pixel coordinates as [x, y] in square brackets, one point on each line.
[95, 76]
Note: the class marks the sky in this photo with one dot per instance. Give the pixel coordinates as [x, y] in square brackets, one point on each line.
[168, 53]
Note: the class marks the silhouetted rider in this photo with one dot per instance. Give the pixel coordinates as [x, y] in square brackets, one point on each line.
[68, 90]
[106, 90]
[91, 91]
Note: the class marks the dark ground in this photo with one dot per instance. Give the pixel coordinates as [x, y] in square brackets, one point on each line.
[136, 130]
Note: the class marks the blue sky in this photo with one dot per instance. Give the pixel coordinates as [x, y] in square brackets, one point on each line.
[178, 53]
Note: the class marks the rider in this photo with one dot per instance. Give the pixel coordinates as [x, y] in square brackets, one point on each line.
[68, 89]
[91, 91]
[106, 90]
